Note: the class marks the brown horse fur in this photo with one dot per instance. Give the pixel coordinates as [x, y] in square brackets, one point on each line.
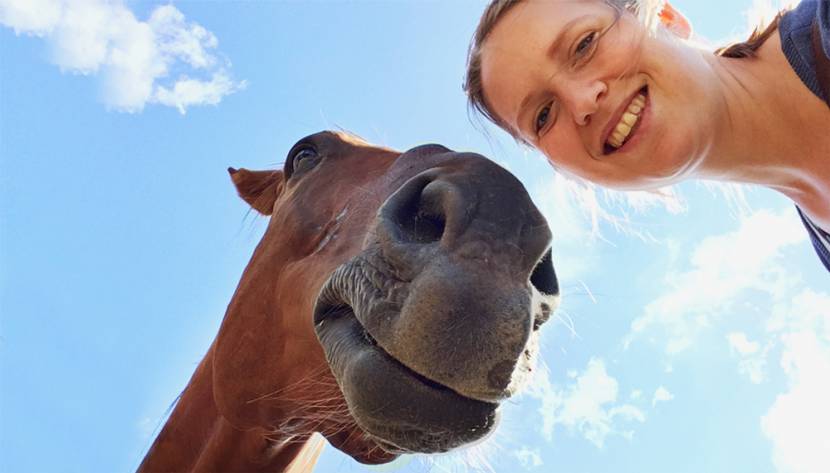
[287, 364]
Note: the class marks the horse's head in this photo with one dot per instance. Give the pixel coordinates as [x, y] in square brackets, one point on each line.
[392, 303]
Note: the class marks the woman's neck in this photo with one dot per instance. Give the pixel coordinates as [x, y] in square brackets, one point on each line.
[773, 130]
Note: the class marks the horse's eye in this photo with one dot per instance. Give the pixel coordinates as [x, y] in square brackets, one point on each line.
[302, 157]
[304, 153]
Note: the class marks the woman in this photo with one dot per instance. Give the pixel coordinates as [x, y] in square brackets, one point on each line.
[587, 84]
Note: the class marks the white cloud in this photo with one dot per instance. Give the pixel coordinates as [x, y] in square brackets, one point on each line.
[798, 420]
[188, 92]
[724, 272]
[739, 343]
[588, 405]
[752, 358]
[635, 394]
[529, 458]
[754, 367]
[797, 423]
[722, 268]
[37, 17]
[661, 395]
[135, 59]
[807, 310]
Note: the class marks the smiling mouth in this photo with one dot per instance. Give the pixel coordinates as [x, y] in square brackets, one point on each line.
[627, 124]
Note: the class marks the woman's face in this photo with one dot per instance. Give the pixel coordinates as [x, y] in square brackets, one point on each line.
[597, 95]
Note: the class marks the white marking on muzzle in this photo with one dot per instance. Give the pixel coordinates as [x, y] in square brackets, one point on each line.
[526, 366]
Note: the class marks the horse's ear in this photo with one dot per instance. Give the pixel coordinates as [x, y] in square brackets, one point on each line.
[259, 189]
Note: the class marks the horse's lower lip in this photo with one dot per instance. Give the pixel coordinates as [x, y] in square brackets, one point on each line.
[405, 411]
[369, 342]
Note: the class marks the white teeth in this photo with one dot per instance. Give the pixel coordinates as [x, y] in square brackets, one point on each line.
[629, 118]
[627, 121]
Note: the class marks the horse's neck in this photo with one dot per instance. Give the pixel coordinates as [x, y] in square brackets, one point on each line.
[197, 438]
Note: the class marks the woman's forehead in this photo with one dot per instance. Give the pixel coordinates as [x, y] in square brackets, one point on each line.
[534, 17]
[535, 27]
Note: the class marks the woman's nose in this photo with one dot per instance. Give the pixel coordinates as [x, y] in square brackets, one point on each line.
[585, 97]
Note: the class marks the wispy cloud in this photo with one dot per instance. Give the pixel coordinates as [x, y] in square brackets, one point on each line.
[741, 344]
[752, 359]
[529, 458]
[720, 270]
[588, 405]
[724, 273]
[165, 59]
[661, 394]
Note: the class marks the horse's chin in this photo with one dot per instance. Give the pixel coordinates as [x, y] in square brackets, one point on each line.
[362, 447]
[403, 411]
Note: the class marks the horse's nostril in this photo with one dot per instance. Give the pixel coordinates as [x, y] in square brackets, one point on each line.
[427, 228]
[543, 277]
[422, 218]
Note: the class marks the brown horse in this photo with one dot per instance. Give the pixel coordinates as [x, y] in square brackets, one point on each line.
[393, 302]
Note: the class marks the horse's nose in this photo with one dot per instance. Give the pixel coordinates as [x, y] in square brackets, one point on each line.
[466, 246]
[471, 208]
[424, 211]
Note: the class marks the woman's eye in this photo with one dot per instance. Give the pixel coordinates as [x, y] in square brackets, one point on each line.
[585, 44]
[542, 118]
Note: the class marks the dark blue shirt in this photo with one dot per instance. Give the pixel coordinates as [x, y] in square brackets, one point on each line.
[795, 30]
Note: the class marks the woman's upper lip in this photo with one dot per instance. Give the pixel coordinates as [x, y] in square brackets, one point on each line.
[615, 119]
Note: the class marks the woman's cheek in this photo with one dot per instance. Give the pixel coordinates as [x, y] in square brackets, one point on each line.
[625, 43]
[564, 150]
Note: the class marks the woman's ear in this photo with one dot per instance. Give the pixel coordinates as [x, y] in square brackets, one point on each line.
[674, 21]
[259, 189]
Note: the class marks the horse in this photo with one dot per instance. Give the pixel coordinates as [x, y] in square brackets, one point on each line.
[393, 302]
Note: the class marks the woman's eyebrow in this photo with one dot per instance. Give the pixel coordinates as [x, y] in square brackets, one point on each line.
[554, 45]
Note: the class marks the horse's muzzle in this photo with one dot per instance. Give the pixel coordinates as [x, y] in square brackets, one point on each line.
[443, 306]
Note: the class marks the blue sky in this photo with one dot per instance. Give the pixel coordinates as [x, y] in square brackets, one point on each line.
[693, 336]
